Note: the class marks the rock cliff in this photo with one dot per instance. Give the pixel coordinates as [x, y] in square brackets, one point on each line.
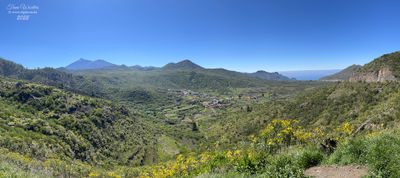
[384, 74]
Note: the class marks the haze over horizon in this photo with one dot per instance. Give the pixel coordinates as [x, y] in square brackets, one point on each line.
[236, 35]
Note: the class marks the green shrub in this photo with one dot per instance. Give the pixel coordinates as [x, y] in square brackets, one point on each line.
[282, 166]
[309, 157]
[350, 152]
[253, 165]
[383, 156]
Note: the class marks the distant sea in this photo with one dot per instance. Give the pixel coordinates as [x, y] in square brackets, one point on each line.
[309, 74]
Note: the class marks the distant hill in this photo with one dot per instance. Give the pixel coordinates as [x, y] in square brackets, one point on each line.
[111, 82]
[9, 68]
[50, 76]
[269, 75]
[46, 76]
[183, 65]
[309, 74]
[189, 65]
[83, 64]
[180, 75]
[384, 68]
[344, 74]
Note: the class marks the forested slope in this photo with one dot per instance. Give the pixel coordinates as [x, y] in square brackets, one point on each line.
[44, 122]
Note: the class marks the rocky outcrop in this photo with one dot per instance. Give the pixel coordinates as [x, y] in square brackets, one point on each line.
[384, 74]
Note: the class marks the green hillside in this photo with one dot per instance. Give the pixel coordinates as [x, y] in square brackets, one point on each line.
[391, 61]
[181, 75]
[44, 122]
[343, 75]
[280, 138]
[201, 122]
[220, 80]
[52, 77]
[325, 107]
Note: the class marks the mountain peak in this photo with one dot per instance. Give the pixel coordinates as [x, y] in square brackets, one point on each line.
[83, 60]
[184, 64]
[83, 64]
[187, 62]
[100, 60]
[262, 74]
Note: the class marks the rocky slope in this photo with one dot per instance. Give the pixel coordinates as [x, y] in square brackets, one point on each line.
[384, 68]
[383, 74]
[344, 74]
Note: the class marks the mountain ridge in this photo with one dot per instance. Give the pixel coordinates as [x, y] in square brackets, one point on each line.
[383, 68]
[342, 75]
[188, 65]
[184, 64]
[270, 75]
[84, 64]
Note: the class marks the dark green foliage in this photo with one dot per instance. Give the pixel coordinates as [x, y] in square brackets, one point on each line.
[284, 166]
[309, 157]
[252, 165]
[52, 77]
[45, 122]
[353, 151]
[379, 153]
[383, 157]
[346, 101]
[8, 68]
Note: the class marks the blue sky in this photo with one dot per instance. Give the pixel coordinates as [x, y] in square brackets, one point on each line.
[239, 35]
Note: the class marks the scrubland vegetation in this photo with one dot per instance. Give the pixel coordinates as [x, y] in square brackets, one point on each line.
[187, 127]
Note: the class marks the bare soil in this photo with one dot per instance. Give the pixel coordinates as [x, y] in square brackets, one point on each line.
[337, 171]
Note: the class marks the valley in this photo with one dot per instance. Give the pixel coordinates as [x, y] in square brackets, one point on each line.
[184, 120]
[199, 89]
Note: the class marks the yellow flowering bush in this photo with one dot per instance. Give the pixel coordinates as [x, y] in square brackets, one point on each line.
[285, 132]
[93, 174]
[344, 131]
[275, 135]
[191, 165]
[113, 175]
[181, 166]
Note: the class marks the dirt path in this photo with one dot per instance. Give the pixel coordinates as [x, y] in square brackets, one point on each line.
[337, 172]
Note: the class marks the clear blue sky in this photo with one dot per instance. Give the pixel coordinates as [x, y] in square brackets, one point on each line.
[243, 35]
